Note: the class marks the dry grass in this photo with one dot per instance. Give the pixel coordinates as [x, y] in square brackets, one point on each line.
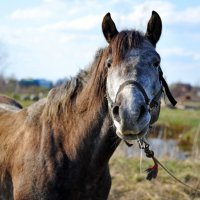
[129, 184]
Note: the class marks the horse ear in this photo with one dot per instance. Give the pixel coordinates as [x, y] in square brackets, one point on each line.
[108, 27]
[154, 28]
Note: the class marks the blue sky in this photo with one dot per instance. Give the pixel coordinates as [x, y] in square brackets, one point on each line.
[53, 39]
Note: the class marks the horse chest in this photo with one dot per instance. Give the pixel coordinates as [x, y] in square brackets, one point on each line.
[74, 181]
[85, 185]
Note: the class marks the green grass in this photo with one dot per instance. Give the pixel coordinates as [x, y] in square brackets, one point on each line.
[24, 103]
[178, 117]
[182, 125]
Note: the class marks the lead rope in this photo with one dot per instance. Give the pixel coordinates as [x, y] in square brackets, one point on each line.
[153, 171]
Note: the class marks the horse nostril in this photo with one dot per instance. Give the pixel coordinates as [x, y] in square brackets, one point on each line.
[142, 111]
[115, 112]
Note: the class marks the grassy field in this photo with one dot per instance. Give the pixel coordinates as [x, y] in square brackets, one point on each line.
[182, 125]
[129, 184]
[177, 117]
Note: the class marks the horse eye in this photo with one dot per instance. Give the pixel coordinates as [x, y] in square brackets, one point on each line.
[156, 64]
[109, 63]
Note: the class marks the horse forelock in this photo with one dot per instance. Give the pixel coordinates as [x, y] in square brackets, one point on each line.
[124, 42]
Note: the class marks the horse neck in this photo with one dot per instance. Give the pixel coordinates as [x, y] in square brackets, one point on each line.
[90, 136]
[107, 145]
[87, 126]
[86, 122]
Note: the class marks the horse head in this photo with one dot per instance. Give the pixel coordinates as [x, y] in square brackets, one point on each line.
[133, 85]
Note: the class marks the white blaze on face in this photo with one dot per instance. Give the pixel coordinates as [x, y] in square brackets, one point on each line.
[133, 110]
[117, 77]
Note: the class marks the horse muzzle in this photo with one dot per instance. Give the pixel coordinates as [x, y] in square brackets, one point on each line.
[131, 114]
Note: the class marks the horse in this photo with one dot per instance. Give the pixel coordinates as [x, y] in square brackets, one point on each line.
[60, 146]
[9, 101]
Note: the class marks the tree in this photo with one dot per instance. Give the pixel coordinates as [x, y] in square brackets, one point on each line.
[3, 66]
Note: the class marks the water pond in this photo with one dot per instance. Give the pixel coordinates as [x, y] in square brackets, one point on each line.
[162, 148]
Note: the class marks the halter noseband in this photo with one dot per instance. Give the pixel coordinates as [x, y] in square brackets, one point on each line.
[134, 83]
[154, 102]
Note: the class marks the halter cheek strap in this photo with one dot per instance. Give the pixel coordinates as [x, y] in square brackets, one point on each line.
[167, 91]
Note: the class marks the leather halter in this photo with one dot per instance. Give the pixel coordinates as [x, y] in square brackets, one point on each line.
[154, 102]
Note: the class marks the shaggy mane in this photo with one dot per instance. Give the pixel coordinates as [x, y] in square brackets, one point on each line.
[64, 96]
